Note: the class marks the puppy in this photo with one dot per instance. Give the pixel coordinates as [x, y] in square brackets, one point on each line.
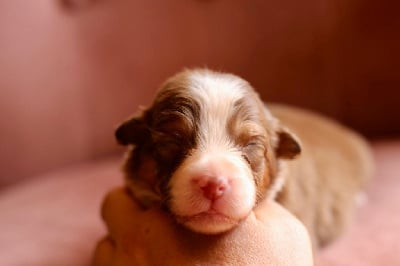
[208, 150]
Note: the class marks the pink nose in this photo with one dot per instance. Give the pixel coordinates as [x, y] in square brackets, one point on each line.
[212, 187]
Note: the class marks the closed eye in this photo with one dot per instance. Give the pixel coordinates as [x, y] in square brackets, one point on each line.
[252, 144]
[253, 152]
[167, 136]
[167, 150]
[246, 158]
[177, 135]
[168, 144]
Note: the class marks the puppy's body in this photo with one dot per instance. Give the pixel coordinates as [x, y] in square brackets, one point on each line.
[323, 185]
[209, 150]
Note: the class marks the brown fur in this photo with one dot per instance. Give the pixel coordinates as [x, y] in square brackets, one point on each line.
[323, 183]
[320, 187]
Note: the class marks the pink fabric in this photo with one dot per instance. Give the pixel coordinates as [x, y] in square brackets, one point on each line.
[58, 105]
[67, 77]
[54, 219]
[374, 237]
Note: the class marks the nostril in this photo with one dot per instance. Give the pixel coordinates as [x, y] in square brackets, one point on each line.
[212, 188]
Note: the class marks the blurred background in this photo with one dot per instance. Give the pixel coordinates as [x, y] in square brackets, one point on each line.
[72, 70]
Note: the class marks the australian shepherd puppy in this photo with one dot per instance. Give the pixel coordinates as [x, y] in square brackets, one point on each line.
[208, 150]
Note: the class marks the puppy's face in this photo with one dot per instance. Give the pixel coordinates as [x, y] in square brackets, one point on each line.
[213, 146]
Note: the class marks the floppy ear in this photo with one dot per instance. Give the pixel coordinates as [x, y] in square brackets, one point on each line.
[288, 146]
[132, 131]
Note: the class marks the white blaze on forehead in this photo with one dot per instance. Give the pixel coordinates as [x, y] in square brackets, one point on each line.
[215, 155]
[217, 94]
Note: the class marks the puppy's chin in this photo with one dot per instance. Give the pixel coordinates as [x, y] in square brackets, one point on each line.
[208, 223]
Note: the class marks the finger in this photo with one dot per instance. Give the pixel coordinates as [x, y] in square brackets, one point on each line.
[104, 252]
[119, 211]
[287, 231]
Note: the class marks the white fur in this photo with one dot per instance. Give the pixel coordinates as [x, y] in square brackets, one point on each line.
[187, 198]
[279, 181]
[217, 94]
[216, 156]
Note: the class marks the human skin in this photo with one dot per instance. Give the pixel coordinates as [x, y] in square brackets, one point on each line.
[269, 236]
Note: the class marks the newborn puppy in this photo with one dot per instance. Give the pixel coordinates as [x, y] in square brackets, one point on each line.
[208, 150]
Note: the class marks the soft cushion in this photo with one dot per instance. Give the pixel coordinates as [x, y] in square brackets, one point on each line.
[373, 238]
[55, 219]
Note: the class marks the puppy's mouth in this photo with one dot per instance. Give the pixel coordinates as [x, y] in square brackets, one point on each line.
[208, 222]
[211, 215]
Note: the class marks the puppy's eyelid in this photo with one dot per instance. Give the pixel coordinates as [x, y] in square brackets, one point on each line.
[177, 134]
[244, 156]
[254, 142]
[169, 143]
[161, 134]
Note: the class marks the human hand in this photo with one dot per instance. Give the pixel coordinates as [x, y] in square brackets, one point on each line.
[269, 236]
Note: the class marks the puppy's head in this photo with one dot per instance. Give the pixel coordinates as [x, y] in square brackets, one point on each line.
[210, 146]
